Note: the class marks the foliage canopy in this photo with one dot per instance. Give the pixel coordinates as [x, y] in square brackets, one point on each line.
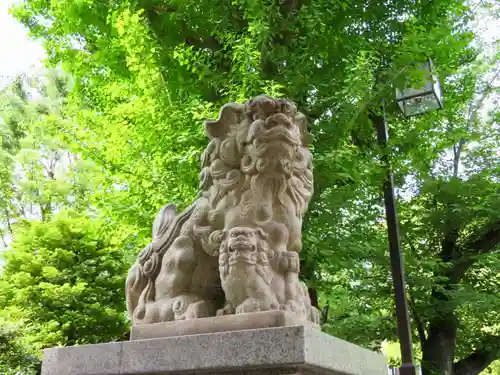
[145, 73]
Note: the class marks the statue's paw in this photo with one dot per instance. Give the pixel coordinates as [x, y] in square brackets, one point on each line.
[293, 261]
[274, 306]
[180, 305]
[315, 315]
[156, 312]
[200, 309]
[291, 306]
[289, 261]
[297, 308]
[226, 310]
[191, 306]
[249, 306]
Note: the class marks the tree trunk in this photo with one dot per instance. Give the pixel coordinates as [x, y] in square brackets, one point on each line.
[439, 347]
[314, 297]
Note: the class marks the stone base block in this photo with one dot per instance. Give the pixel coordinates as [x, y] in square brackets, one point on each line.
[237, 322]
[276, 351]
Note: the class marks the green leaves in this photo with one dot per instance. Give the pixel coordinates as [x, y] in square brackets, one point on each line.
[15, 360]
[66, 279]
[145, 77]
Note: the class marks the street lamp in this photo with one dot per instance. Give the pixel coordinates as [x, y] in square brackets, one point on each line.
[423, 98]
[412, 101]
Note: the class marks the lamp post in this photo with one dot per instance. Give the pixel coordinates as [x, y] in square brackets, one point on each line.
[412, 101]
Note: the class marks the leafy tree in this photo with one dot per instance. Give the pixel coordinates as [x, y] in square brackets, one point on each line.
[14, 359]
[147, 72]
[63, 280]
[40, 178]
[448, 176]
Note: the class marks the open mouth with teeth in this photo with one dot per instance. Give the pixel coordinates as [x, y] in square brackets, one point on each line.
[242, 247]
[242, 252]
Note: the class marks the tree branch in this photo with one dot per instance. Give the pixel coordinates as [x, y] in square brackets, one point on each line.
[456, 156]
[163, 9]
[472, 116]
[479, 245]
[474, 107]
[485, 242]
[9, 226]
[477, 361]
[2, 236]
[192, 37]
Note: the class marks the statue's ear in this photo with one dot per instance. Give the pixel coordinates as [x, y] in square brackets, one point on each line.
[163, 220]
[301, 121]
[230, 114]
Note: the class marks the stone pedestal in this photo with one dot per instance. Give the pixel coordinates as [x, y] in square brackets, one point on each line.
[277, 349]
[236, 322]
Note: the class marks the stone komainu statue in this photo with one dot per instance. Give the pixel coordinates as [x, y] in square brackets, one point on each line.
[235, 249]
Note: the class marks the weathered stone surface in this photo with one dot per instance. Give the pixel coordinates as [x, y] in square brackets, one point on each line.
[280, 350]
[235, 249]
[239, 322]
[100, 359]
[297, 370]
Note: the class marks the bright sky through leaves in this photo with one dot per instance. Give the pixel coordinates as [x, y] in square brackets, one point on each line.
[18, 54]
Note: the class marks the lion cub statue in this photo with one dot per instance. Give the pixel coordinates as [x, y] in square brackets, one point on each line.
[255, 277]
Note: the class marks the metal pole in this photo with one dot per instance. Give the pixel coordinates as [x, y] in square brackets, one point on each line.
[397, 266]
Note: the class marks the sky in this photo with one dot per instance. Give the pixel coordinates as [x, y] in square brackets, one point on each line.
[18, 54]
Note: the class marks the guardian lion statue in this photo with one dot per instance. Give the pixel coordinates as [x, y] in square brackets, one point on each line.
[256, 182]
